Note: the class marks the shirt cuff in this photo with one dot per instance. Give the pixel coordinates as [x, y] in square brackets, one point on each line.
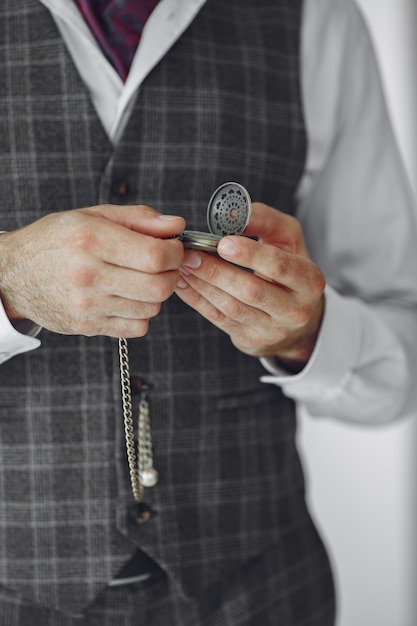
[336, 350]
[13, 342]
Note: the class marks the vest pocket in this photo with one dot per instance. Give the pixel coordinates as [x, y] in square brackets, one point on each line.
[249, 398]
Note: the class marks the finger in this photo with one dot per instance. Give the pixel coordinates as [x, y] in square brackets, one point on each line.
[207, 309]
[252, 338]
[290, 271]
[140, 218]
[220, 307]
[266, 295]
[138, 286]
[121, 327]
[117, 245]
[131, 309]
[272, 226]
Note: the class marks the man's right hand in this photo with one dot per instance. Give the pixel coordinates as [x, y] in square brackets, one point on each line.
[102, 270]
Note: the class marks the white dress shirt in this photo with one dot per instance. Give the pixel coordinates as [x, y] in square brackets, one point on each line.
[354, 203]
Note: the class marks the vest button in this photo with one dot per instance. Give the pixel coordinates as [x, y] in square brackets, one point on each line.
[142, 513]
[137, 385]
[121, 190]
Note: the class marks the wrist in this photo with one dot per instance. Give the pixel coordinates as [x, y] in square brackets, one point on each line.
[294, 355]
[6, 273]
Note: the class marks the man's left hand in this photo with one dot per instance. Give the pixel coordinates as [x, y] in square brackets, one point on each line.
[273, 311]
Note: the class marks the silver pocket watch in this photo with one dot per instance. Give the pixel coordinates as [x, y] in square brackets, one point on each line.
[228, 213]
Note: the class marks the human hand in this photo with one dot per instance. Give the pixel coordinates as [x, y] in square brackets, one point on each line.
[274, 311]
[102, 270]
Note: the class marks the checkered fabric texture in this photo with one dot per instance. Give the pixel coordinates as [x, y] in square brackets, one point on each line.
[231, 527]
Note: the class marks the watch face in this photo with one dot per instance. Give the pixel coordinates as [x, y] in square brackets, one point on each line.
[229, 210]
[228, 213]
[199, 241]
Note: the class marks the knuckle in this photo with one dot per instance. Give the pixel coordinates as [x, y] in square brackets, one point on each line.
[158, 260]
[251, 291]
[233, 309]
[130, 329]
[138, 328]
[83, 238]
[84, 277]
[212, 271]
[217, 316]
[146, 210]
[162, 288]
[154, 309]
[167, 289]
[165, 254]
[247, 342]
[178, 248]
[281, 266]
[318, 280]
[197, 301]
[302, 315]
[312, 276]
[82, 303]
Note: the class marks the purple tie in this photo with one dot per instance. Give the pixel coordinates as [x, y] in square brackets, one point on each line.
[117, 25]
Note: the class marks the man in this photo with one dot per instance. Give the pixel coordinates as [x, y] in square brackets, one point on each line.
[101, 171]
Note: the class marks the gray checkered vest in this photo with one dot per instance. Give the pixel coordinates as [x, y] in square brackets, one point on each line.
[224, 104]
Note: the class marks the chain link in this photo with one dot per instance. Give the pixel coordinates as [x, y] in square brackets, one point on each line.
[137, 487]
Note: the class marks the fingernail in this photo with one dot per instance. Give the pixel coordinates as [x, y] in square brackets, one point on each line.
[192, 260]
[182, 284]
[168, 218]
[226, 246]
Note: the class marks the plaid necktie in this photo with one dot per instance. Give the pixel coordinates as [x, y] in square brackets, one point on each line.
[117, 26]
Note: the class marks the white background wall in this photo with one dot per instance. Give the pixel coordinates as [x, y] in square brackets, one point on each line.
[362, 481]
